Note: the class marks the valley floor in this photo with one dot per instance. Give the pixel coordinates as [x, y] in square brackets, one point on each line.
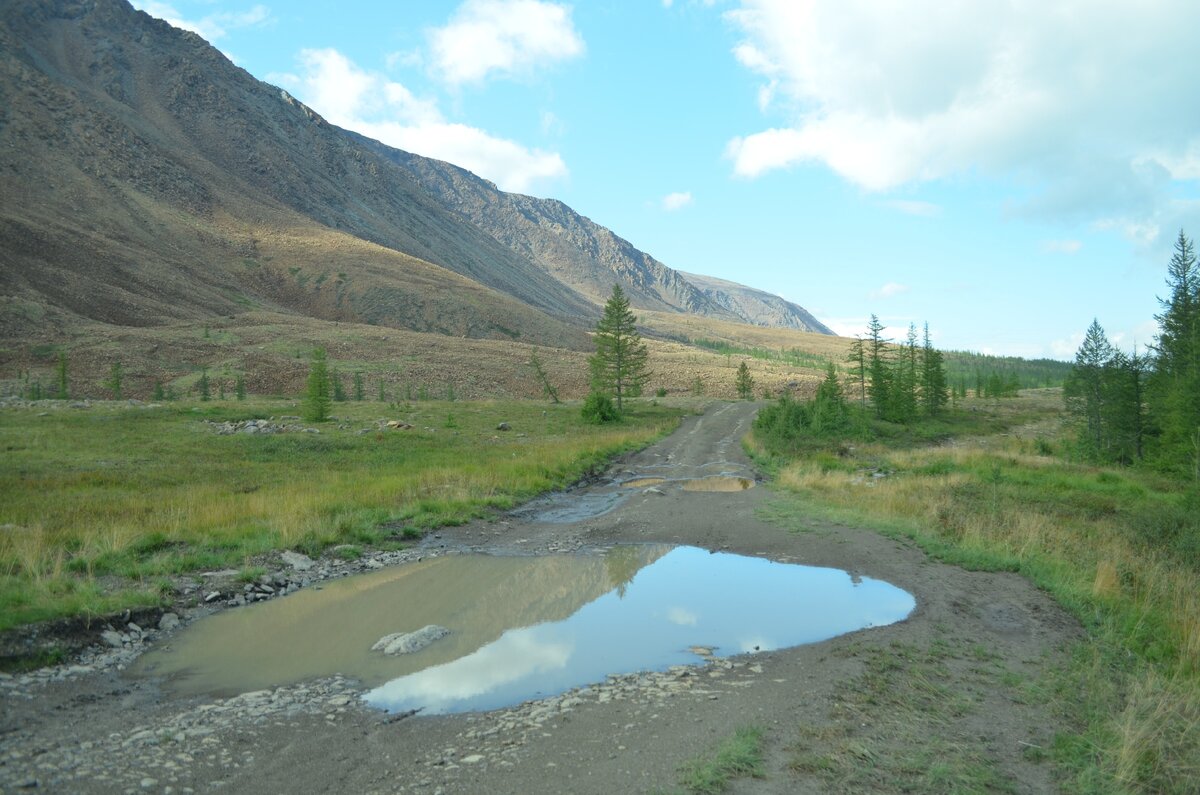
[951, 700]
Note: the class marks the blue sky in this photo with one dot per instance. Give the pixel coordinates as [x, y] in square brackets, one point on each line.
[1005, 170]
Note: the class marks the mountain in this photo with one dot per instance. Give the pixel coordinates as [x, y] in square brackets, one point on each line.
[756, 307]
[147, 181]
[588, 257]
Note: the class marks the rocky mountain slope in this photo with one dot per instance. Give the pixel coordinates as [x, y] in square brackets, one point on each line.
[147, 180]
[757, 307]
[589, 257]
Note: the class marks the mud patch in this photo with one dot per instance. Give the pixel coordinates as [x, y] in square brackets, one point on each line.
[718, 484]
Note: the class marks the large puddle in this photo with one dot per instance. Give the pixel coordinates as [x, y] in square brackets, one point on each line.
[523, 627]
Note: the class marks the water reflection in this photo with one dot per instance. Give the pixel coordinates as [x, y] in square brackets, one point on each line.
[523, 627]
[687, 598]
[314, 633]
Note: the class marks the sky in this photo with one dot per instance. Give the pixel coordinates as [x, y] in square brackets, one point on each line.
[1003, 170]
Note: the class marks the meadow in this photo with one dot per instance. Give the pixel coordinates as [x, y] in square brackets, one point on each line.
[101, 507]
[995, 487]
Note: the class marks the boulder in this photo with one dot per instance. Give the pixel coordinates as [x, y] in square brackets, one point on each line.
[297, 560]
[409, 642]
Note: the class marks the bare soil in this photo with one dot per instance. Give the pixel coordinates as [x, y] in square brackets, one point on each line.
[949, 700]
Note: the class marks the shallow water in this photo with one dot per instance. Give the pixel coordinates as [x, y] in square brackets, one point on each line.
[718, 484]
[524, 627]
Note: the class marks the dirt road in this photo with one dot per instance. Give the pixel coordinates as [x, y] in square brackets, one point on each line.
[948, 700]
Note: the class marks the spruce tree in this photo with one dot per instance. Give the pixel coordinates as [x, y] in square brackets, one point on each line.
[239, 387]
[316, 399]
[203, 385]
[360, 391]
[619, 366]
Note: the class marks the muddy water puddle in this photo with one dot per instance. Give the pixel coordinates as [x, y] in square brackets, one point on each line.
[718, 484]
[522, 627]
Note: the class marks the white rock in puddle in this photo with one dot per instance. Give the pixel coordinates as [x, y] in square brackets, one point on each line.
[409, 642]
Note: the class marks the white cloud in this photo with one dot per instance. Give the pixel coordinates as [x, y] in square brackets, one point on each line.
[676, 201]
[507, 37]
[914, 207]
[1062, 246]
[551, 124]
[889, 290]
[682, 616]
[369, 103]
[1078, 100]
[212, 27]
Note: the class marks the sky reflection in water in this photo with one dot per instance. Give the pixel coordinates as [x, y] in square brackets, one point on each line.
[688, 597]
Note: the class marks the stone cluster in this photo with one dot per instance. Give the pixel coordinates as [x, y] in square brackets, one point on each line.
[259, 426]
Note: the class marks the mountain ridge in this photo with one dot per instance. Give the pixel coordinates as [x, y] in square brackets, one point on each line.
[150, 180]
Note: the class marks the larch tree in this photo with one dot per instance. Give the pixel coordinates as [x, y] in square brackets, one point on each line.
[317, 396]
[1085, 389]
[619, 366]
[744, 381]
[1174, 386]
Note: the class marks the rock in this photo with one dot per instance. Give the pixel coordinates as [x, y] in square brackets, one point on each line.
[212, 596]
[409, 642]
[297, 560]
[473, 759]
[504, 426]
[112, 638]
[653, 490]
[168, 621]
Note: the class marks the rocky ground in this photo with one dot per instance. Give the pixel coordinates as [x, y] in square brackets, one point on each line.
[949, 696]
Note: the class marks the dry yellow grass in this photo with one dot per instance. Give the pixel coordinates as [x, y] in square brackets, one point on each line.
[1148, 598]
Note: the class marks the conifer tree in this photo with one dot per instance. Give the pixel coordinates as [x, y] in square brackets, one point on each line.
[1174, 386]
[878, 373]
[63, 387]
[115, 379]
[858, 369]
[1085, 389]
[619, 366]
[316, 398]
[360, 392]
[744, 382]
[933, 378]
[239, 387]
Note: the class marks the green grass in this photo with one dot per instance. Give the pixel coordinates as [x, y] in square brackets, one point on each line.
[738, 755]
[1119, 548]
[97, 506]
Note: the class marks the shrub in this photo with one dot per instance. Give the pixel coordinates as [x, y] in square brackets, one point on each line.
[599, 408]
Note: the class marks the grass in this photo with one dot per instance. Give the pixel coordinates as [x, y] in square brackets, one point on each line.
[1120, 548]
[891, 726]
[738, 755]
[97, 507]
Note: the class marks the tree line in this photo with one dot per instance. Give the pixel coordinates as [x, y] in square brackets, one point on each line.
[893, 383]
[1130, 407]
